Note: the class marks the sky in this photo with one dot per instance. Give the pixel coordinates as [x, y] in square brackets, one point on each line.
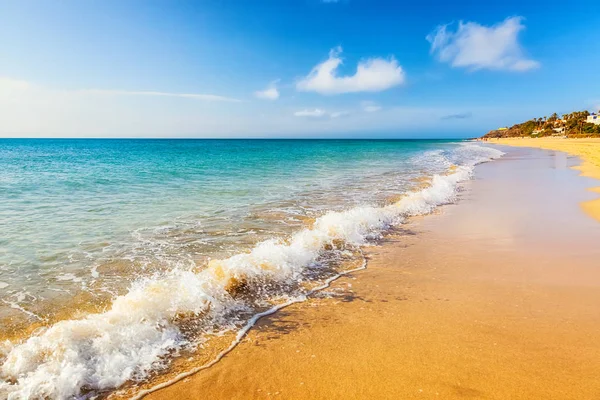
[292, 68]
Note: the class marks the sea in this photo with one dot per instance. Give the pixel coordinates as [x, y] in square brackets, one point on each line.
[117, 256]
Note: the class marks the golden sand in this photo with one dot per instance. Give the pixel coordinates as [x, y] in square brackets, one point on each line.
[485, 301]
[587, 149]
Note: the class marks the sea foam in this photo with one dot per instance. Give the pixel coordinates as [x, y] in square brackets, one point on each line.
[140, 331]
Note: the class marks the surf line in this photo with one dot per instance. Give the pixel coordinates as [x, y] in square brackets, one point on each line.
[244, 331]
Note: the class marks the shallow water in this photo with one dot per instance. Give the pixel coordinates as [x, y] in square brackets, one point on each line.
[158, 243]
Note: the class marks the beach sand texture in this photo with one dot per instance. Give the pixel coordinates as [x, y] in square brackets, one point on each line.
[587, 149]
[494, 298]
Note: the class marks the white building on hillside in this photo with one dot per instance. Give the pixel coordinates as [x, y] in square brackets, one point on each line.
[593, 119]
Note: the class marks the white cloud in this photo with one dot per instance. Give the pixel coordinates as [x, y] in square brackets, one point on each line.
[320, 113]
[477, 47]
[196, 96]
[14, 86]
[339, 114]
[369, 106]
[372, 75]
[269, 93]
[30, 110]
[315, 113]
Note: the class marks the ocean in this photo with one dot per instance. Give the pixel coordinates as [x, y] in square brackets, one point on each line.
[118, 255]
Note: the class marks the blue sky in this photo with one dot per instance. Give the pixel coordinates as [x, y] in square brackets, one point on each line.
[292, 68]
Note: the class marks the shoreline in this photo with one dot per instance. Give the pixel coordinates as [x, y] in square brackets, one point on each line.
[588, 149]
[415, 284]
[159, 308]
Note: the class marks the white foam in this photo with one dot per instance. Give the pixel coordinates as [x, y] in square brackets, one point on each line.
[68, 277]
[242, 332]
[103, 351]
[3, 285]
[16, 306]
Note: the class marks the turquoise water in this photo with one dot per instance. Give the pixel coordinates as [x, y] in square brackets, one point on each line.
[69, 206]
[109, 221]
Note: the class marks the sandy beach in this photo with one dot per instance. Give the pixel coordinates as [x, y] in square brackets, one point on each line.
[299, 200]
[216, 273]
[492, 298]
[587, 149]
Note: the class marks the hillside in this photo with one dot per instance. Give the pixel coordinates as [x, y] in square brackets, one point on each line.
[572, 125]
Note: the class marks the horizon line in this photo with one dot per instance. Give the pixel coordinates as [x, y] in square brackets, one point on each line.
[227, 138]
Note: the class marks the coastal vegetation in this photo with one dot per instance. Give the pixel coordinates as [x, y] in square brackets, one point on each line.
[575, 124]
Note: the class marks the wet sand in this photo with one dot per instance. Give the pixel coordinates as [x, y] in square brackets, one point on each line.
[587, 149]
[494, 298]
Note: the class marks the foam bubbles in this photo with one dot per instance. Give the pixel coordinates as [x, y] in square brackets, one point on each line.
[140, 331]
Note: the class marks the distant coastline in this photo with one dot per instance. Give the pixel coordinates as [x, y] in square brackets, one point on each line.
[576, 124]
[587, 149]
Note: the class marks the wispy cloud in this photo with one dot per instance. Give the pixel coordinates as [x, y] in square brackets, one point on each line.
[269, 93]
[315, 113]
[476, 46]
[457, 116]
[195, 96]
[372, 75]
[320, 113]
[8, 84]
[369, 106]
[339, 114]
[30, 110]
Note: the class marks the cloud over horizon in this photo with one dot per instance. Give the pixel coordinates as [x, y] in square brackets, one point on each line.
[9, 85]
[320, 113]
[195, 96]
[476, 46]
[269, 93]
[372, 75]
[31, 109]
[314, 113]
[370, 106]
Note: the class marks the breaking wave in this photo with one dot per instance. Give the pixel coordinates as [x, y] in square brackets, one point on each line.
[165, 314]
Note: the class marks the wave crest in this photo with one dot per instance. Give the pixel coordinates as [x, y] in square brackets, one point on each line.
[141, 330]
